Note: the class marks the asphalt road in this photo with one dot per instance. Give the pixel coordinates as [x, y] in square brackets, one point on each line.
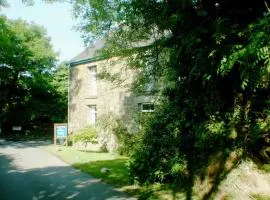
[29, 173]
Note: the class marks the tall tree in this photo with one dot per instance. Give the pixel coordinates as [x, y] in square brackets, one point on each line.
[26, 62]
[60, 83]
[213, 60]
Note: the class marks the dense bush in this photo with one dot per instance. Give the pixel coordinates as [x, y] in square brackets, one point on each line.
[127, 141]
[157, 156]
[223, 108]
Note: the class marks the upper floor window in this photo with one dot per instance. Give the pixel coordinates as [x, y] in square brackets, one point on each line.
[93, 81]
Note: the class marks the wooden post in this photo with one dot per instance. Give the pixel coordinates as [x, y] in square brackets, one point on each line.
[67, 139]
[72, 139]
[54, 137]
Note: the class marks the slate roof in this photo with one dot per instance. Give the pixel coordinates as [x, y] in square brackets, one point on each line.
[89, 53]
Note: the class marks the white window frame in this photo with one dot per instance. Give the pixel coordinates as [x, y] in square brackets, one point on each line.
[93, 81]
[141, 107]
[92, 115]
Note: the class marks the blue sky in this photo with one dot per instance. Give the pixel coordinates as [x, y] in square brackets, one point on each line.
[56, 18]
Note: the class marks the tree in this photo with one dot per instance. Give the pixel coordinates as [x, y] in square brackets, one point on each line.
[26, 63]
[86, 135]
[213, 60]
[47, 100]
[3, 3]
[60, 83]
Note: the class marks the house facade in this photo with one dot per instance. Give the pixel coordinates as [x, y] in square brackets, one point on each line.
[92, 97]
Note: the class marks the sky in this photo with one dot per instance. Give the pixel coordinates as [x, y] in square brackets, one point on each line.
[56, 18]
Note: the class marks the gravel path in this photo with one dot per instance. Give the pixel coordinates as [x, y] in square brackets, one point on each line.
[29, 173]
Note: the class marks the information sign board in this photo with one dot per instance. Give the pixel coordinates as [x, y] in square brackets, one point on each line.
[60, 133]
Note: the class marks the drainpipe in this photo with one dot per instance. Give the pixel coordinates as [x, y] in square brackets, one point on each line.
[68, 97]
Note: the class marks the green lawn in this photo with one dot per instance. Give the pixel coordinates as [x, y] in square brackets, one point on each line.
[92, 163]
[72, 156]
[117, 176]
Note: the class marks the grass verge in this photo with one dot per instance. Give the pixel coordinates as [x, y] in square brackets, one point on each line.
[117, 176]
[92, 163]
[72, 156]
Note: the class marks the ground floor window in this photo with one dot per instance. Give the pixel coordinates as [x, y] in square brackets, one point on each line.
[146, 107]
[92, 114]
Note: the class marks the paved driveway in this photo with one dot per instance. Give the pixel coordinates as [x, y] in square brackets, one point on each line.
[30, 173]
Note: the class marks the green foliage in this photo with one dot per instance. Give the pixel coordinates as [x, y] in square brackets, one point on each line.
[3, 3]
[31, 90]
[127, 141]
[211, 59]
[112, 124]
[266, 168]
[260, 197]
[117, 176]
[59, 82]
[86, 135]
[157, 157]
[72, 156]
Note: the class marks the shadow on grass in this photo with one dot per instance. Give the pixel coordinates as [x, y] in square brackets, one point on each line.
[218, 167]
[117, 174]
[260, 197]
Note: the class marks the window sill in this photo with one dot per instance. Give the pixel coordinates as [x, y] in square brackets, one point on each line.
[91, 97]
[146, 111]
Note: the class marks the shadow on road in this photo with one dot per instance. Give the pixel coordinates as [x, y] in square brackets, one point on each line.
[60, 182]
[24, 143]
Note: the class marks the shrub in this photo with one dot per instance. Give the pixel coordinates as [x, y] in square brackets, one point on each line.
[86, 135]
[112, 124]
[156, 157]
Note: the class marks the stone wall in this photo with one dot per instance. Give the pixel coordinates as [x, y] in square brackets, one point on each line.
[112, 96]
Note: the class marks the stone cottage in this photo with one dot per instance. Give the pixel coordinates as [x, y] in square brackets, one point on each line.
[92, 97]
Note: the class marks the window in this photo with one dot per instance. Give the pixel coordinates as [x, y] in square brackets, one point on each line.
[93, 81]
[146, 107]
[92, 114]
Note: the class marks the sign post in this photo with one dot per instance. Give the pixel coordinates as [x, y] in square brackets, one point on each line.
[60, 133]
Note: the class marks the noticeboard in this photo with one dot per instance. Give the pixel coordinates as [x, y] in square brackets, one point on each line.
[60, 134]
